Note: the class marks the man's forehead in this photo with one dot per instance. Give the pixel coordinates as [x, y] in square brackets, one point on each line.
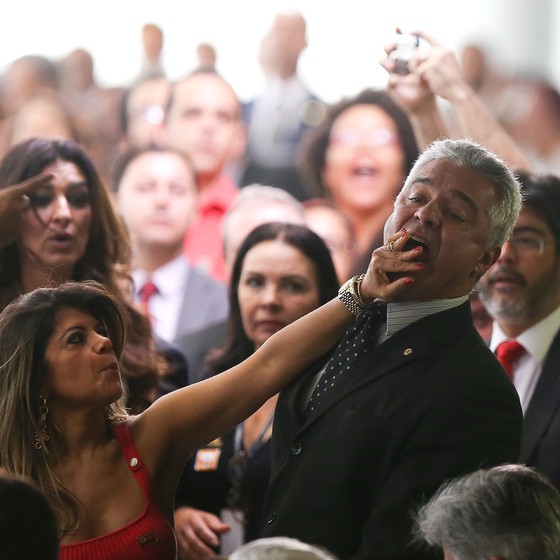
[459, 181]
[203, 84]
[531, 218]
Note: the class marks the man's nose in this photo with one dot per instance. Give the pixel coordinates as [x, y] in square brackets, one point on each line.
[429, 214]
[507, 253]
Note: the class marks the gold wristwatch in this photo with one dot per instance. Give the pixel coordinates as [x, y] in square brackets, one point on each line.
[349, 295]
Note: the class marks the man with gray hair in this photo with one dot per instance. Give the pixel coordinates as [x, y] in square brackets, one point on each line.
[505, 513]
[412, 396]
[280, 548]
[256, 205]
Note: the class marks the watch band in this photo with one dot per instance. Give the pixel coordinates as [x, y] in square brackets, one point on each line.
[349, 295]
[347, 299]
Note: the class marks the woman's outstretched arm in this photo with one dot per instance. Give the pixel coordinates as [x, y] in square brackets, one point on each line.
[186, 419]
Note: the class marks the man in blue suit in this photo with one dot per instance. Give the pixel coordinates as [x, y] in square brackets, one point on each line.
[412, 396]
[522, 293]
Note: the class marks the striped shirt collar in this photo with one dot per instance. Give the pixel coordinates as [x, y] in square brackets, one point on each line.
[402, 314]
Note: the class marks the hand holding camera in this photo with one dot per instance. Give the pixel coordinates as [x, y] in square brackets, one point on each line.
[402, 52]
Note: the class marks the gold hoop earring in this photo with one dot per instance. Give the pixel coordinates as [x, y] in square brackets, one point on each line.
[42, 437]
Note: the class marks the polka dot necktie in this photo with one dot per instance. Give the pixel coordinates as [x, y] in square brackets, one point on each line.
[361, 337]
[508, 352]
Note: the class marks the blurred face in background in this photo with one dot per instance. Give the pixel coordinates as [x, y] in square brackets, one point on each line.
[364, 163]
[145, 112]
[337, 233]
[157, 199]
[278, 285]
[204, 123]
[250, 215]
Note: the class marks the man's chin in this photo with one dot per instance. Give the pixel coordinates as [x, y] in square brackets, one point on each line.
[505, 308]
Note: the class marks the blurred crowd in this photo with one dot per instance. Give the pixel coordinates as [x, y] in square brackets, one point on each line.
[219, 222]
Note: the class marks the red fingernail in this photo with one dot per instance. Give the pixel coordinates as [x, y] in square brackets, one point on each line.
[419, 265]
[408, 281]
[417, 249]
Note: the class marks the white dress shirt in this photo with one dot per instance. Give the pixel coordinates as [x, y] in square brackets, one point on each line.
[536, 340]
[165, 305]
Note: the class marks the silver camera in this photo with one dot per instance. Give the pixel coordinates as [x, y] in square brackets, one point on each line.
[405, 45]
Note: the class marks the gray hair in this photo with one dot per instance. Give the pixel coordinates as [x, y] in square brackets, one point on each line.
[280, 548]
[509, 512]
[465, 153]
[257, 193]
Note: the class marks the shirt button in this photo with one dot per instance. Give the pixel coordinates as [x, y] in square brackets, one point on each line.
[133, 462]
[271, 517]
[296, 448]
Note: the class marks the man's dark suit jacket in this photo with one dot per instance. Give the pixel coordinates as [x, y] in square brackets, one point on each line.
[429, 404]
[540, 440]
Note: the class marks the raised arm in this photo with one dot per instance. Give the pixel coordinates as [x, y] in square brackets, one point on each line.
[417, 99]
[14, 201]
[180, 422]
[437, 69]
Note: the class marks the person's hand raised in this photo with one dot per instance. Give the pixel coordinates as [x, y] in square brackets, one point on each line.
[386, 276]
[14, 202]
[408, 90]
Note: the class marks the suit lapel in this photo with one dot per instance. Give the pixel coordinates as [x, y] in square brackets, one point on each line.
[191, 297]
[428, 336]
[544, 402]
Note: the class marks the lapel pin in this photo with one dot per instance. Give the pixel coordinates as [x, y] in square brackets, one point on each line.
[407, 352]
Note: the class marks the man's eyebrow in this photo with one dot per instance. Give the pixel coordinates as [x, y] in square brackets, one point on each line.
[528, 229]
[458, 193]
[422, 181]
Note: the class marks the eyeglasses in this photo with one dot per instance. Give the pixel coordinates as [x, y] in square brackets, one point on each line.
[373, 138]
[528, 244]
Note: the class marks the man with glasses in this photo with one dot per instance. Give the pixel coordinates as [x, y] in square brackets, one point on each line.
[522, 293]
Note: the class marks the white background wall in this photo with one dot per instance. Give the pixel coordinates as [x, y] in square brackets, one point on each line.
[346, 37]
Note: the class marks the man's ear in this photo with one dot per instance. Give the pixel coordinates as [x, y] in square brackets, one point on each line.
[239, 144]
[488, 258]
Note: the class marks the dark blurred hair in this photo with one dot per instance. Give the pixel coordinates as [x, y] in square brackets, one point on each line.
[541, 194]
[238, 346]
[27, 522]
[315, 147]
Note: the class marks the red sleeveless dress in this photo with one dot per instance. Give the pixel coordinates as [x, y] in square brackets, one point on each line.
[149, 537]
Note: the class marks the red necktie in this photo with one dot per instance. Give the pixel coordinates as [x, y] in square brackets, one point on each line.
[146, 292]
[508, 352]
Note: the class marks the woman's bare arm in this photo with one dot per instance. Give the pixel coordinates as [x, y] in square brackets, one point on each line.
[186, 419]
